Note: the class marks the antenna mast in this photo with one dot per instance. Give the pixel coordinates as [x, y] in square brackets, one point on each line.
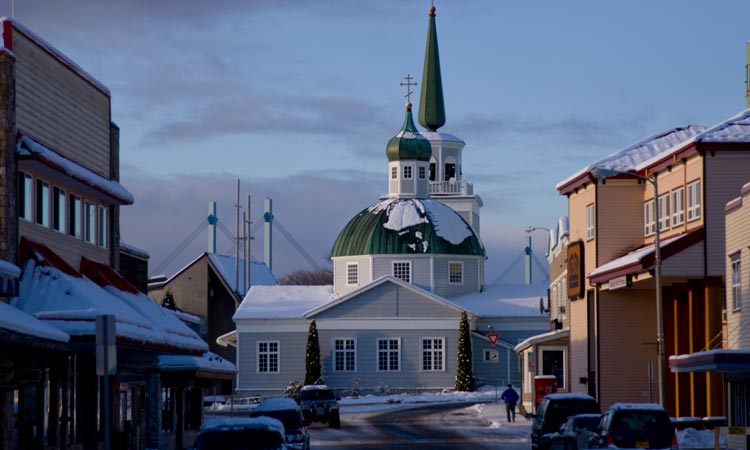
[747, 74]
[237, 246]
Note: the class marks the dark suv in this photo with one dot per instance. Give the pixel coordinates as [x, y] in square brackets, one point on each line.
[320, 404]
[286, 411]
[635, 425]
[552, 412]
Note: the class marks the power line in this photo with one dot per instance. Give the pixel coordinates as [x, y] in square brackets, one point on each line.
[296, 244]
[202, 226]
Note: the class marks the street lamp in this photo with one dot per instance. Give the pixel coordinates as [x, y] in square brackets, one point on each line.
[527, 251]
[600, 173]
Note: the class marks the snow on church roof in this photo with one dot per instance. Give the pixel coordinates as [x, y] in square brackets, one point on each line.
[407, 213]
[507, 300]
[28, 147]
[21, 322]
[282, 301]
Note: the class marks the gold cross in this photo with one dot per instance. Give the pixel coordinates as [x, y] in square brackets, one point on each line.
[408, 85]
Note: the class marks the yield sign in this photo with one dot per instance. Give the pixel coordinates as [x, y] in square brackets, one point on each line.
[493, 337]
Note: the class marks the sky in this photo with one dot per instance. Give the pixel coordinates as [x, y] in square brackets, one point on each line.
[297, 100]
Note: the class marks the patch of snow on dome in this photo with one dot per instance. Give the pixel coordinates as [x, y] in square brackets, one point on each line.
[402, 214]
[405, 214]
[448, 224]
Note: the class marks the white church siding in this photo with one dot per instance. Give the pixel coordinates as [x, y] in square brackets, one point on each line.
[421, 268]
[364, 269]
[470, 281]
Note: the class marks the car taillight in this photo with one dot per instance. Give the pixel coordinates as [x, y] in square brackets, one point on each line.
[674, 442]
[608, 439]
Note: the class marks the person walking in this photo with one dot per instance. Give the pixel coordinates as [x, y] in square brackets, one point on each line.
[510, 397]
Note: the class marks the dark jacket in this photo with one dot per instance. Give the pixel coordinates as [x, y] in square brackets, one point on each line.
[509, 396]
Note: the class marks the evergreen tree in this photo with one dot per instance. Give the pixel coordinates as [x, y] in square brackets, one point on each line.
[464, 375]
[168, 301]
[312, 355]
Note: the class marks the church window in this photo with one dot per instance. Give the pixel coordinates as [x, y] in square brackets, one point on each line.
[25, 193]
[352, 274]
[268, 356]
[407, 172]
[433, 354]
[422, 172]
[42, 203]
[450, 171]
[455, 272]
[394, 173]
[402, 270]
[389, 354]
[344, 355]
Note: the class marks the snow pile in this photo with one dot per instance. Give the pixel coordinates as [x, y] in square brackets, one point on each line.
[692, 438]
[9, 269]
[406, 213]
[16, 320]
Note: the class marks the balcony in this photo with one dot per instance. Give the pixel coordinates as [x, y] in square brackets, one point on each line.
[452, 187]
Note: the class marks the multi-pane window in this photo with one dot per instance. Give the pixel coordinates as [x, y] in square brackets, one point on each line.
[664, 212]
[344, 355]
[694, 200]
[649, 217]
[455, 272]
[402, 270]
[89, 222]
[74, 216]
[678, 206]
[352, 274]
[42, 203]
[103, 229]
[736, 281]
[25, 195]
[389, 354]
[394, 173]
[422, 172]
[407, 172]
[590, 222]
[58, 209]
[268, 356]
[433, 354]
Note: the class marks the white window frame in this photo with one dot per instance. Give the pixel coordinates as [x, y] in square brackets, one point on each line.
[590, 222]
[352, 277]
[678, 206]
[664, 212]
[75, 210]
[488, 353]
[431, 355]
[59, 209]
[26, 196]
[344, 350]
[399, 263]
[736, 265]
[388, 351]
[43, 196]
[649, 217]
[694, 200]
[451, 280]
[268, 353]
[408, 172]
[102, 226]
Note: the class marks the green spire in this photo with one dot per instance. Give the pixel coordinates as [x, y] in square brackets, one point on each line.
[408, 143]
[431, 105]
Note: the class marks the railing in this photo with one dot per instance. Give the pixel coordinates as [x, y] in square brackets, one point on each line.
[453, 187]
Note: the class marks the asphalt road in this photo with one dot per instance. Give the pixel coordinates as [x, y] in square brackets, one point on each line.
[435, 426]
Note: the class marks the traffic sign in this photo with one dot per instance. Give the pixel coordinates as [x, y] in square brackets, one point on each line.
[493, 337]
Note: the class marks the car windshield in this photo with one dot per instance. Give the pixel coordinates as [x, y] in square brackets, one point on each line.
[588, 422]
[557, 412]
[317, 394]
[646, 424]
[289, 417]
[248, 439]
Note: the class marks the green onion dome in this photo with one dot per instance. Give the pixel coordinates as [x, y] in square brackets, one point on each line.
[407, 226]
[408, 143]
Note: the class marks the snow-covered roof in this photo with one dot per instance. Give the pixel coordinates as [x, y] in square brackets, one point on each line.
[135, 250]
[28, 147]
[568, 395]
[276, 404]
[633, 156]
[227, 268]
[241, 423]
[208, 362]
[562, 229]
[282, 301]
[633, 257]
[544, 337]
[49, 48]
[637, 406]
[441, 136]
[407, 213]
[185, 316]
[504, 300]
[9, 269]
[21, 322]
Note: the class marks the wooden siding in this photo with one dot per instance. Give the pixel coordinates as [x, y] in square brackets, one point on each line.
[726, 173]
[69, 248]
[339, 273]
[619, 218]
[382, 265]
[386, 301]
[59, 108]
[190, 289]
[627, 346]
[470, 282]
[292, 347]
[738, 240]
[496, 373]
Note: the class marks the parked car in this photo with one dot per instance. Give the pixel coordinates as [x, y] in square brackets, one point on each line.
[574, 430]
[552, 412]
[262, 433]
[320, 404]
[288, 412]
[635, 425]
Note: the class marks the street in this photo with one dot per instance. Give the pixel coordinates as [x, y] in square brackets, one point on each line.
[436, 426]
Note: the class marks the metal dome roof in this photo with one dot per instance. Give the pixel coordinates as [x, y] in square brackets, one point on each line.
[408, 143]
[407, 226]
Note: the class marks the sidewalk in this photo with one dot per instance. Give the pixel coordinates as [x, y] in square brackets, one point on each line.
[494, 413]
